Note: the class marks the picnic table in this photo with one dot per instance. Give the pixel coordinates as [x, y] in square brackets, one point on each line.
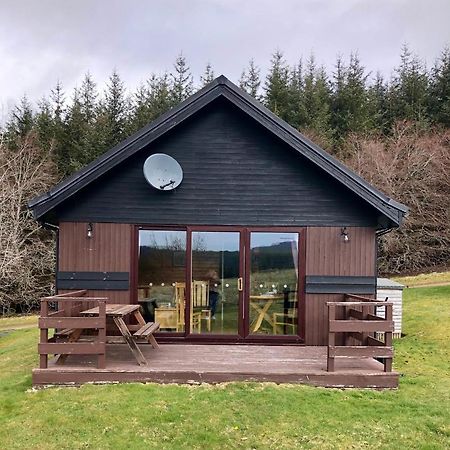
[261, 305]
[118, 313]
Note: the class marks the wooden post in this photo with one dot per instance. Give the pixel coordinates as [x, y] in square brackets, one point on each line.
[388, 338]
[365, 311]
[43, 338]
[101, 359]
[331, 338]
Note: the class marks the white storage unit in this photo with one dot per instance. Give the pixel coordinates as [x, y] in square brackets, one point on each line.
[394, 292]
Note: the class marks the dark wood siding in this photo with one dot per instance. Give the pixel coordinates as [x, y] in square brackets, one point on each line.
[235, 173]
[109, 250]
[327, 254]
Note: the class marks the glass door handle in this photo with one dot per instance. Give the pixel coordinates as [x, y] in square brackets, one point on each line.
[240, 284]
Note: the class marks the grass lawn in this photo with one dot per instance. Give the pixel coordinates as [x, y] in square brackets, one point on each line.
[238, 415]
[433, 278]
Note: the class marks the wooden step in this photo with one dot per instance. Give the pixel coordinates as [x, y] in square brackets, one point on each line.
[147, 330]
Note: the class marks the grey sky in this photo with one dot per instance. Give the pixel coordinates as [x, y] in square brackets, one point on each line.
[42, 41]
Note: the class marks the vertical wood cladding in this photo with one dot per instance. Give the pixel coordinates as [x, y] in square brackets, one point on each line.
[328, 254]
[109, 250]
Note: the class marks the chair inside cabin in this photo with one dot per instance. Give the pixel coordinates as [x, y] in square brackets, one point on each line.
[286, 320]
[200, 305]
[180, 302]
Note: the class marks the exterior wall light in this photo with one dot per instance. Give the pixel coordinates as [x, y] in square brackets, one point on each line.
[344, 234]
[90, 230]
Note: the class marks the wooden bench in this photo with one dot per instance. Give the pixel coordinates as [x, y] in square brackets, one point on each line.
[67, 332]
[146, 332]
[73, 335]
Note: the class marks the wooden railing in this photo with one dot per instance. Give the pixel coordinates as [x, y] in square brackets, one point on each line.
[61, 312]
[360, 323]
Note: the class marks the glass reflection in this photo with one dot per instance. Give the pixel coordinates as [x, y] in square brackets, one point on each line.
[273, 283]
[215, 274]
[161, 277]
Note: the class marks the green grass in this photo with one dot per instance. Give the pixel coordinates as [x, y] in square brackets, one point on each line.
[15, 322]
[240, 415]
[433, 278]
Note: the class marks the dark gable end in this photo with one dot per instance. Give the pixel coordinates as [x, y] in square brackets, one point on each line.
[243, 165]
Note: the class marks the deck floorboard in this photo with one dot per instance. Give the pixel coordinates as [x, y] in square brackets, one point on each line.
[181, 363]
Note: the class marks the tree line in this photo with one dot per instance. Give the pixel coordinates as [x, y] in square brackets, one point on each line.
[329, 107]
[394, 132]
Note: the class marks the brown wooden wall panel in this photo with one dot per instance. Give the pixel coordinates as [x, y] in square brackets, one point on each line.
[109, 250]
[328, 254]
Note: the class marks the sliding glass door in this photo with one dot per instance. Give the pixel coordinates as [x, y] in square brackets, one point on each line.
[216, 284]
[273, 283]
[220, 281]
[162, 277]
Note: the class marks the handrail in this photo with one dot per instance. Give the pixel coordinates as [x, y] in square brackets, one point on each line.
[359, 324]
[373, 303]
[78, 299]
[67, 318]
[80, 293]
[359, 298]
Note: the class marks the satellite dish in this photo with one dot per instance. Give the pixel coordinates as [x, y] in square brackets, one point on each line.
[163, 172]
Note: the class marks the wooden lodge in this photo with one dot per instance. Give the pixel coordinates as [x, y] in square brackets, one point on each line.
[217, 224]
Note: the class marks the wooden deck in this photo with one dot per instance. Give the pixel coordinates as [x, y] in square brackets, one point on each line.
[182, 363]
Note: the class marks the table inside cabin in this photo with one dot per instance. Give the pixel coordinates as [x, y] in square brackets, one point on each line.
[261, 304]
[118, 312]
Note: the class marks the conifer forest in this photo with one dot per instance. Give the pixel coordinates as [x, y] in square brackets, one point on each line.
[394, 132]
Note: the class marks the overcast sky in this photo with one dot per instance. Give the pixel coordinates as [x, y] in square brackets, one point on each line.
[43, 41]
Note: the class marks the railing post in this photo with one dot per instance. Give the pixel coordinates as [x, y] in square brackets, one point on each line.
[331, 338]
[101, 361]
[364, 312]
[43, 335]
[388, 338]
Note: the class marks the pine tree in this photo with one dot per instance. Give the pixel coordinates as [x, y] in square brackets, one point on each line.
[159, 95]
[350, 106]
[20, 123]
[113, 114]
[140, 115]
[182, 80]
[72, 155]
[94, 140]
[150, 101]
[88, 99]
[409, 87]
[277, 86]
[317, 99]
[208, 75]
[378, 105]
[439, 90]
[250, 80]
[57, 102]
[45, 125]
[297, 109]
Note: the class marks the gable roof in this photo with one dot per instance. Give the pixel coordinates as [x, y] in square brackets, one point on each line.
[220, 87]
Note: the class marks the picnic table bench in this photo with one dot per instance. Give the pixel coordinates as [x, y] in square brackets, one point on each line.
[118, 312]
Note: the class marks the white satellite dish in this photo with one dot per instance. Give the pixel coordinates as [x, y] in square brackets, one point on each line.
[163, 172]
